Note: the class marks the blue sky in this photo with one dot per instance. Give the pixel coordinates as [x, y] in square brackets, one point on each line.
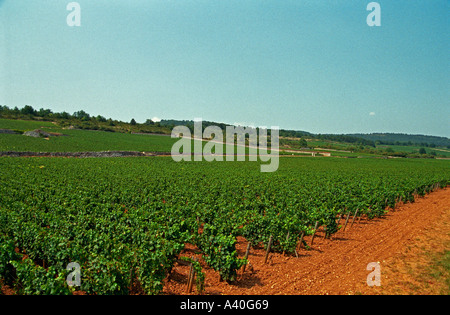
[305, 65]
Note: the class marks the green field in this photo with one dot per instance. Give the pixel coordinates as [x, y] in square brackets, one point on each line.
[126, 220]
[78, 140]
[25, 125]
[86, 140]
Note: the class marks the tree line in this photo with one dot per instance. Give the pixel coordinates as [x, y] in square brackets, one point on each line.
[81, 120]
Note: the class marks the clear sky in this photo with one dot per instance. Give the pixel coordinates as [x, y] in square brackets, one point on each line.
[298, 64]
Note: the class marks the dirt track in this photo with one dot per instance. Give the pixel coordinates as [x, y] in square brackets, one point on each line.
[338, 266]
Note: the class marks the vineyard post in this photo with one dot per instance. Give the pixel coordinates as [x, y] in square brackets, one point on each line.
[268, 248]
[191, 269]
[354, 216]
[314, 233]
[346, 221]
[191, 276]
[246, 256]
[301, 240]
[287, 240]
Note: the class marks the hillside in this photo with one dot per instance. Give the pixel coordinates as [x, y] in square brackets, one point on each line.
[405, 139]
[66, 139]
[96, 133]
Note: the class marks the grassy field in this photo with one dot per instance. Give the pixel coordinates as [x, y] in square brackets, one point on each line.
[76, 140]
[86, 140]
[25, 125]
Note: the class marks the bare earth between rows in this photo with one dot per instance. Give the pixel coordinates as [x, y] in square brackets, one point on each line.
[339, 265]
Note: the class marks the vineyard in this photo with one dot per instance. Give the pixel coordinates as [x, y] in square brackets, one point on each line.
[125, 221]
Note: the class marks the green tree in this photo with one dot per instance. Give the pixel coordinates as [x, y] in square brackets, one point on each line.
[303, 143]
[149, 122]
[82, 115]
[422, 151]
[28, 110]
[100, 118]
[133, 122]
[44, 112]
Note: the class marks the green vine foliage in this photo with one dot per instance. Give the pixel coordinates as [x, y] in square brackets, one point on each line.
[199, 274]
[126, 221]
[220, 252]
[7, 256]
[36, 280]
